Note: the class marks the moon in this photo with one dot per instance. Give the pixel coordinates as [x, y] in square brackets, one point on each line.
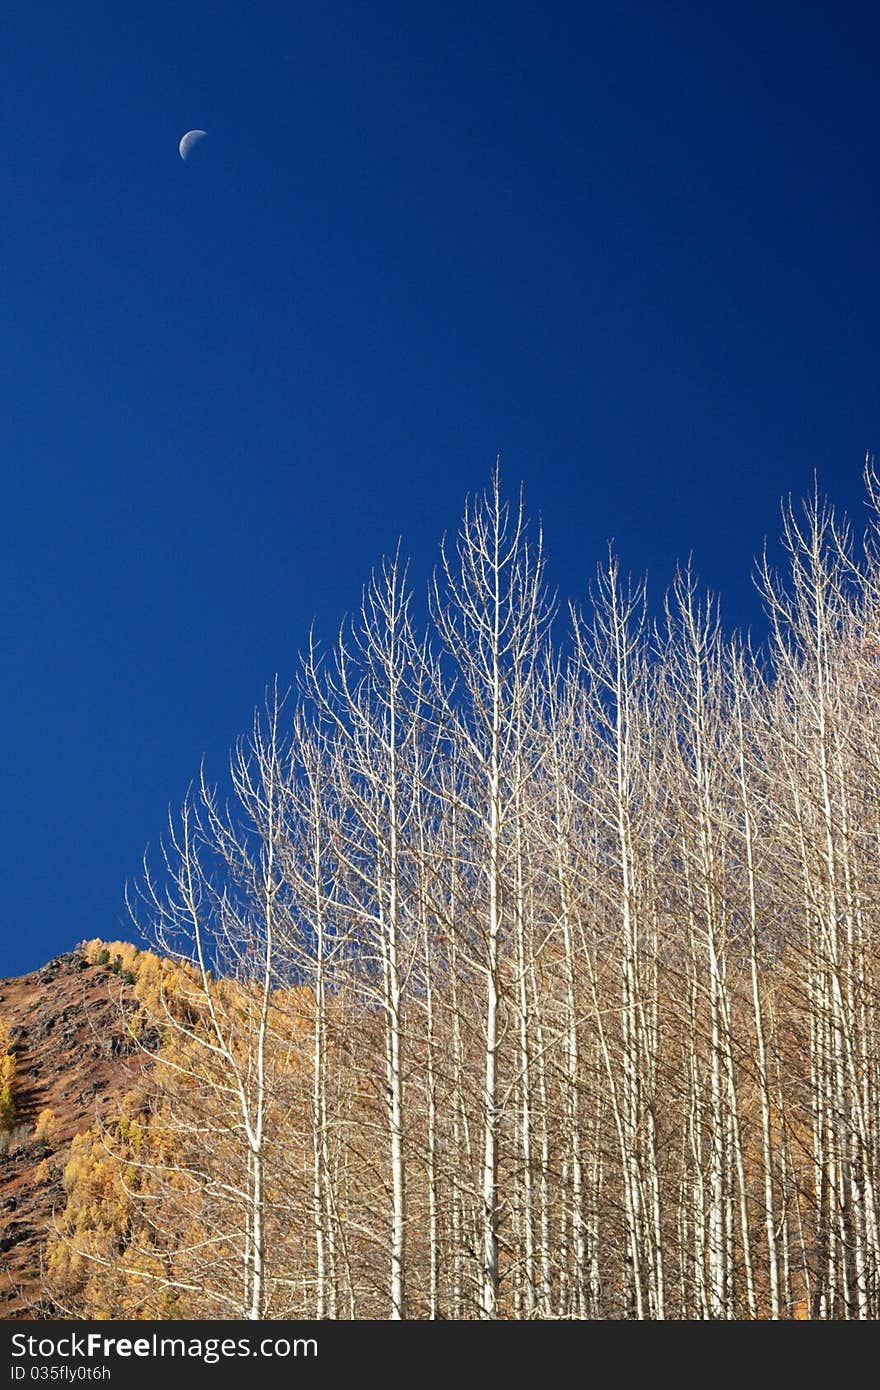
[188, 141]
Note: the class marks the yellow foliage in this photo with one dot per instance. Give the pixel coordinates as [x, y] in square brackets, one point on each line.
[84, 1260]
[46, 1126]
[120, 955]
[7, 1088]
[144, 1203]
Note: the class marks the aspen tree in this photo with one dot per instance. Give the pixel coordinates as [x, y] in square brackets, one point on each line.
[490, 611]
[216, 909]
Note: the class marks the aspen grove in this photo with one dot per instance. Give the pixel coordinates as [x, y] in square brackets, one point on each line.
[531, 969]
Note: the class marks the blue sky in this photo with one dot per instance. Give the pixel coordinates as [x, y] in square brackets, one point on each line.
[632, 248]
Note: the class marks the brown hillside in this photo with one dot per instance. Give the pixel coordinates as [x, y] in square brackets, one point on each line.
[72, 1058]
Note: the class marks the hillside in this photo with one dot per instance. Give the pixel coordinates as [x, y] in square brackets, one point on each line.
[64, 1024]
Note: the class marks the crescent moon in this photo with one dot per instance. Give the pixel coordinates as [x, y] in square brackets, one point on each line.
[187, 142]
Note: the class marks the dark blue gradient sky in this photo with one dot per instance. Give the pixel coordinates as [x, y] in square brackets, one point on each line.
[632, 248]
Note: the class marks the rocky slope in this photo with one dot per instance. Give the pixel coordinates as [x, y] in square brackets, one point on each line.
[65, 1025]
